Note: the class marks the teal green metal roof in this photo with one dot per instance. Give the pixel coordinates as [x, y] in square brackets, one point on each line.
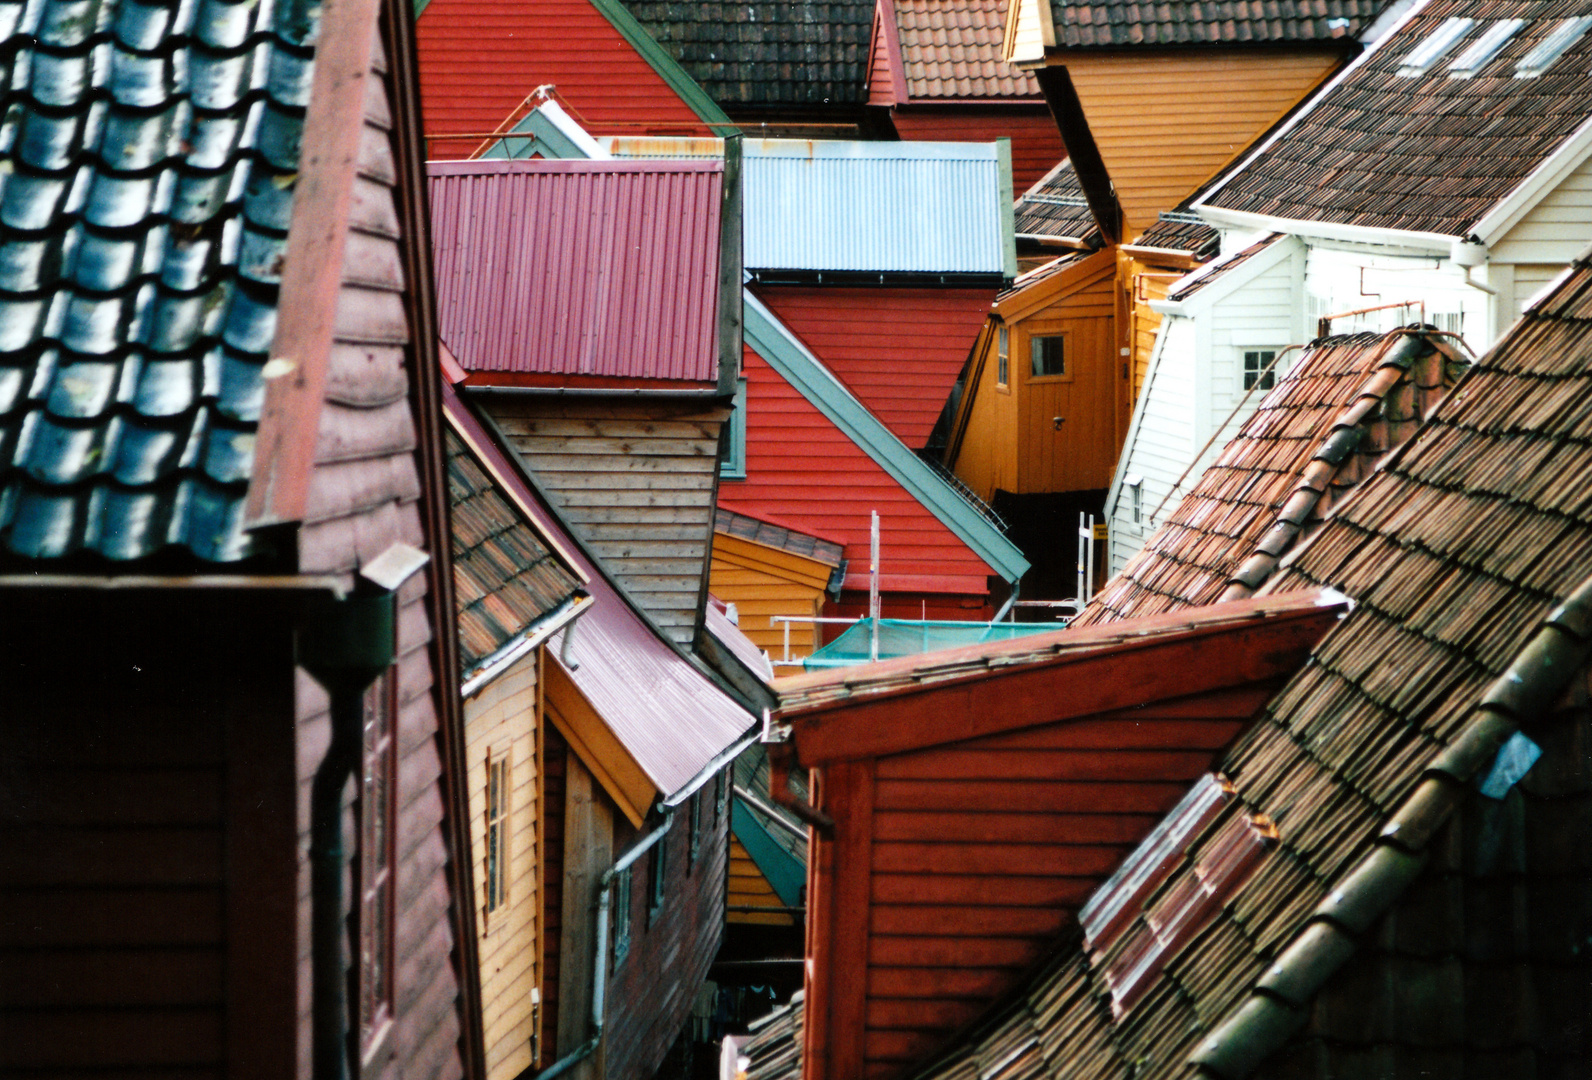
[913, 637]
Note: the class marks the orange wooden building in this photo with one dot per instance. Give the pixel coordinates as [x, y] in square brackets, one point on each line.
[977, 796]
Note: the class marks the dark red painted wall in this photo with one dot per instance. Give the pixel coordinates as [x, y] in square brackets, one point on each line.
[480, 59]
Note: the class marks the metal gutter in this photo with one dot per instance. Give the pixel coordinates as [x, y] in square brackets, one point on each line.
[487, 390]
[721, 759]
[1278, 1005]
[539, 631]
[1507, 212]
[1442, 243]
[247, 583]
[768, 811]
[600, 958]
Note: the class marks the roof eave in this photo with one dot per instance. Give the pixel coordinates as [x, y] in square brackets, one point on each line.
[1542, 180]
[1427, 242]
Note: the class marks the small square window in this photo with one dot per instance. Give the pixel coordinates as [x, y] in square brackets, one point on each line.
[1048, 355]
[1258, 372]
[1003, 364]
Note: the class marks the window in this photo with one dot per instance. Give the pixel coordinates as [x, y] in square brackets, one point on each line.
[1421, 58]
[1258, 371]
[732, 463]
[497, 830]
[1003, 374]
[1550, 48]
[376, 894]
[657, 876]
[720, 796]
[1487, 46]
[621, 917]
[1135, 486]
[696, 827]
[1047, 355]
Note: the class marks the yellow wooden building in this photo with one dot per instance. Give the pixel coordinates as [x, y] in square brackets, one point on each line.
[767, 569]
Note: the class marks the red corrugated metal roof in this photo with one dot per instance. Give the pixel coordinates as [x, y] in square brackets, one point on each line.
[806, 471]
[579, 268]
[898, 350]
[670, 718]
[519, 45]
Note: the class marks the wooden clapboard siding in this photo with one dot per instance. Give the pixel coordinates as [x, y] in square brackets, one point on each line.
[954, 867]
[147, 873]
[524, 44]
[364, 496]
[501, 723]
[986, 453]
[554, 759]
[1554, 231]
[898, 350]
[652, 991]
[749, 888]
[1036, 142]
[1162, 442]
[762, 581]
[1158, 141]
[1078, 455]
[636, 481]
[793, 455]
[1145, 284]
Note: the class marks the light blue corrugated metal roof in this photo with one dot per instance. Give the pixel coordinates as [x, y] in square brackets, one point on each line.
[906, 207]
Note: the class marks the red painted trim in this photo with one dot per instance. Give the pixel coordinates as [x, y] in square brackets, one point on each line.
[537, 166]
[557, 380]
[312, 276]
[918, 583]
[892, 49]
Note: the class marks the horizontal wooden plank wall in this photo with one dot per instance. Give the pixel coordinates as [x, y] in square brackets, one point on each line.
[749, 888]
[1036, 143]
[554, 754]
[793, 454]
[525, 43]
[762, 581]
[1158, 141]
[981, 852]
[1080, 454]
[651, 994]
[1145, 284]
[898, 350]
[500, 723]
[986, 459]
[636, 481]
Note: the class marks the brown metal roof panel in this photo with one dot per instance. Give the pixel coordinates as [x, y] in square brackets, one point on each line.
[602, 269]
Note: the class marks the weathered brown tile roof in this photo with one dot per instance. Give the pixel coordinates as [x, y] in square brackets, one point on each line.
[1118, 23]
[1346, 403]
[1194, 283]
[1427, 153]
[1056, 206]
[504, 576]
[1467, 555]
[1042, 272]
[1180, 231]
[773, 535]
[952, 49]
[791, 52]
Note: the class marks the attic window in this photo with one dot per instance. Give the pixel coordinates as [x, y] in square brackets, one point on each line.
[1486, 47]
[1550, 48]
[1421, 58]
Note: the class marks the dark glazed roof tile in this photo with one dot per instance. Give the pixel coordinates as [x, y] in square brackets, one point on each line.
[1116, 23]
[147, 160]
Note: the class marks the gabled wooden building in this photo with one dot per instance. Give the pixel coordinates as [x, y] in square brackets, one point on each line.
[767, 569]
[230, 786]
[938, 69]
[975, 797]
[613, 378]
[633, 743]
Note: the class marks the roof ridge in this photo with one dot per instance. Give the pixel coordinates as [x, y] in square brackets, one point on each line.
[1275, 1008]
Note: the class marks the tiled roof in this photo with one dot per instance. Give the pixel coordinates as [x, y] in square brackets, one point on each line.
[1056, 207]
[1214, 272]
[1345, 404]
[1190, 22]
[1173, 231]
[952, 49]
[791, 52]
[504, 576]
[1429, 152]
[769, 534]
[1467, 556]
[146, 183]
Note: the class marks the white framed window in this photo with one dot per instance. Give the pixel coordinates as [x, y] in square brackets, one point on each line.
[1259, 370]
[733, 467]
[1003, 357]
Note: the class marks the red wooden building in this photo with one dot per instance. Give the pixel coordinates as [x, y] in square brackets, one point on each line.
[977, 796]
[936, 67]
[602, 64]
[234, 838]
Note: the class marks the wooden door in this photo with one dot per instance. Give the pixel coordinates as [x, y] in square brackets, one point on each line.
[1064, 360]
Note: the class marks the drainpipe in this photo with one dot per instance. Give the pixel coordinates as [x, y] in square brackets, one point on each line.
[600, 961]
[345, 644]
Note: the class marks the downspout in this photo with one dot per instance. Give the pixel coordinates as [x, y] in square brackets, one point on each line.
[345, 645]
[600, 960]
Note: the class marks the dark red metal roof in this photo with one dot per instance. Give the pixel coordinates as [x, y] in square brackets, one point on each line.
[602, 269]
